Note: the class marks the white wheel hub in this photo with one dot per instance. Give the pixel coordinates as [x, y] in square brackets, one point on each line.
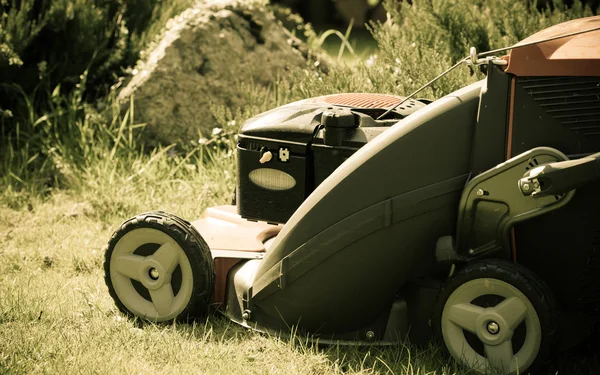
[154, 272]
[493, 326]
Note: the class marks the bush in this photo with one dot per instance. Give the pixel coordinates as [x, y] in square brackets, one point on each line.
[44, 43]
[422, 39]
[56, 56]
[60, 140]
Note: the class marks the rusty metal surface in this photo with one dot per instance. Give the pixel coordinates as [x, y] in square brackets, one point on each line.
[223, 229]
[577, 55]
[362, 100]
[222, 267]
[226, 231]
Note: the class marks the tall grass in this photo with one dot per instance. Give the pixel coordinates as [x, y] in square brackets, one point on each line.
[69, 143]
[76, 145]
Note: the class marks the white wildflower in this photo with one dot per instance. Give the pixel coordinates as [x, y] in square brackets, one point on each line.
[371, 60]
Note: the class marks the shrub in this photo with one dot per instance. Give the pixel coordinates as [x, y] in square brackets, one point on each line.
[44, 43]
[422, 39]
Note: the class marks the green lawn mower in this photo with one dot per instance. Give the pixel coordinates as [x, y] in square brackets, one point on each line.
[373, 219]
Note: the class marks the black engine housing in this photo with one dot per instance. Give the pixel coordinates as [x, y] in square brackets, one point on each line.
[285, 153]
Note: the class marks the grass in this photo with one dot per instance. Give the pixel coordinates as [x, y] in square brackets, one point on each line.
[57, 317]
[70, 175]
[55, 312]
[55, 218]
[350, 45]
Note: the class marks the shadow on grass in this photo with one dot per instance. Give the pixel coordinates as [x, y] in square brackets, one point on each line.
[214, 328]
[584, 359]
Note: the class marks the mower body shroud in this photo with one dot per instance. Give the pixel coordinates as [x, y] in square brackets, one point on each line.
[356, 260]
[340, 260]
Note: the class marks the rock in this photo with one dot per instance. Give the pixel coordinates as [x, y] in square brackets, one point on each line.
[204, 56]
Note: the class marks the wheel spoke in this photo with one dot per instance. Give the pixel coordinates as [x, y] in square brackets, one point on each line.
[512, 310]
[168, 256]
[162, 298]
[465, 315]
[129, 265]
[500, 356]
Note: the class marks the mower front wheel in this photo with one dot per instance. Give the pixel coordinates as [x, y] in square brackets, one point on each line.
[496, 315]
[158, 267]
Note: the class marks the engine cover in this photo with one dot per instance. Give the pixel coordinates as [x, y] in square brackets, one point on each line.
[285, 153]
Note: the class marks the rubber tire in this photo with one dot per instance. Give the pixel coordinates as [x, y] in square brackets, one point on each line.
[538, 293]
[193, 245]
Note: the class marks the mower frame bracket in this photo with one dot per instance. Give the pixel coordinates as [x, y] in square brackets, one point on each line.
[493, 202]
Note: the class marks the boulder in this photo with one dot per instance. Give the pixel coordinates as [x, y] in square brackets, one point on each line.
[204, 56]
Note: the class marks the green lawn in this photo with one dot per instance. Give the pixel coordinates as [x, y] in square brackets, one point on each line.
[56, 315]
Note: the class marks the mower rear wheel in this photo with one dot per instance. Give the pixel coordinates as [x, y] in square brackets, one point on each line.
[159, 268]
[496, 315]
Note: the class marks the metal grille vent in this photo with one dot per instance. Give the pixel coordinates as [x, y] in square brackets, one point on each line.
[573, 101]
[250, 145]
[363, 100]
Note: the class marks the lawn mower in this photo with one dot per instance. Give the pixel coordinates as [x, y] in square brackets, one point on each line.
[374, 219]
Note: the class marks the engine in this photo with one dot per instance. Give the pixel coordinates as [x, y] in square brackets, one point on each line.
[285, 153]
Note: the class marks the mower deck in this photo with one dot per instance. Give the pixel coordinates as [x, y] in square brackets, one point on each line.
[231, 239]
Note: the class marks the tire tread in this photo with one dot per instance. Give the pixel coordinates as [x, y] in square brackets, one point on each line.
[192, 243]
[527, 282]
